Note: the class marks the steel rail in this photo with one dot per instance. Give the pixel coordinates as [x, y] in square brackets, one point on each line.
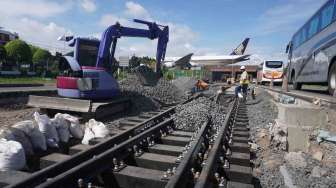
[103, 161]
[204, 181]
[183, 170]
[58, 168]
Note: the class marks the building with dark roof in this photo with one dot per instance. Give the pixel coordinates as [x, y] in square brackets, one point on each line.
[6, 36]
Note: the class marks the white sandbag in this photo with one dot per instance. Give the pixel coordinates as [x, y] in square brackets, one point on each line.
[75, 128]
[6, 134]
[12, 156]
[52, 143]
[98, 128]
[46, 127]
[23, 139]
[88, 135]
[62, 127]
[36, 137]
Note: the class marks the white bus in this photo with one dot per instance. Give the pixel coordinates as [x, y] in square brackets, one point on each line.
[269, 69]
[312, 50]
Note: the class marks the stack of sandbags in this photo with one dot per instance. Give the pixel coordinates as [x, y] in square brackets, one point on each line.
[94, 129]
[47, 127]
[32, 132]
[27, 137]
[12, 155]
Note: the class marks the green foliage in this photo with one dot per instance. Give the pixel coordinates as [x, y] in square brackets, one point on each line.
[169, 76]
[33, 48]
[134, 62]
[150, 62]
[18, 51]
[3, 53]
[41, 56]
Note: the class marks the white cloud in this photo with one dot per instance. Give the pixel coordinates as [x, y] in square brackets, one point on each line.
[110, 19]
[41, 34]
[88, 5]
[287, 17]
[26, 18]
[181, 36]
[37, 8]
[137, 11]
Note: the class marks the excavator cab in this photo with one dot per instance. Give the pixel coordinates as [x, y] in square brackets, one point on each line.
[80, 78]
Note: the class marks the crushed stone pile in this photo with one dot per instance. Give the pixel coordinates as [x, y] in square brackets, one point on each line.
[184, 84]
[146, 75]
[163, 92]
[305, 171]
[192, 115]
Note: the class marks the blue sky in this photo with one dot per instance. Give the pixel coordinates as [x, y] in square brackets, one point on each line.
[202, 27]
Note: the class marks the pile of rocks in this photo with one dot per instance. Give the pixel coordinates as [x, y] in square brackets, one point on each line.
[192, 115]
[261, 113]
[146, 75]
[163, 91]
[184, 84]
[305, 171]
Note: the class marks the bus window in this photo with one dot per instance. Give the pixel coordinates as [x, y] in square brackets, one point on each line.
[313, 26]
[303, 35]
[327, 14]
[274, 64]
[296, 40]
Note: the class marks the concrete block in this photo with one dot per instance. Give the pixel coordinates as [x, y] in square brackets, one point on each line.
[52, 159]
[301, 116]
[10, 177]
[78, 148]
[156, 161]
[132, 176]
[298, 139]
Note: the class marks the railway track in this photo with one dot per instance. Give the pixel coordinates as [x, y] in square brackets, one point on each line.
[54, 162]
[156, 154]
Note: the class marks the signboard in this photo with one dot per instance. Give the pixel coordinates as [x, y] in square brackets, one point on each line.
[123, 61]
[196, 68]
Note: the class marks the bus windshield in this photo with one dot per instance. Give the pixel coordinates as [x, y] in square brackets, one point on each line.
[274, 64]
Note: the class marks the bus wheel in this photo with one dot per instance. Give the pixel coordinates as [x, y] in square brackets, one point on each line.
[297, 85]
[332, 79]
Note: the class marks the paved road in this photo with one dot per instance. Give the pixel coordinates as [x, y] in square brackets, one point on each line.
[312, 92]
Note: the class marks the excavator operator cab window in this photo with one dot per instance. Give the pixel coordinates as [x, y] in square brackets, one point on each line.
[87, 53]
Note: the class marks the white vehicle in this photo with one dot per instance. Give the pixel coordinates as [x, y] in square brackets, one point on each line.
[189, 60]
[271, 69]
[312, 50]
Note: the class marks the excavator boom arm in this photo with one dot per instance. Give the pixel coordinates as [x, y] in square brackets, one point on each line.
[111, 34]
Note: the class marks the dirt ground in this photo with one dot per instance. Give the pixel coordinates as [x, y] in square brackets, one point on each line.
[11, 115]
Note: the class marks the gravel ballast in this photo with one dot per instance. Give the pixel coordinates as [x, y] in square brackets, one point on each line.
[272, 162]
[192, 115]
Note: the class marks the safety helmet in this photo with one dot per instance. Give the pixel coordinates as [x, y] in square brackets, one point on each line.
[242, 67]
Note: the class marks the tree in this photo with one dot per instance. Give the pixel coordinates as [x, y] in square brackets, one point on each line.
[3, 53]
[134, 62]
[41, 56]
[33, 49]
[18, 51]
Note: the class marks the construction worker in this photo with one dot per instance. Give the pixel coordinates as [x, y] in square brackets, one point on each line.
[243, 82]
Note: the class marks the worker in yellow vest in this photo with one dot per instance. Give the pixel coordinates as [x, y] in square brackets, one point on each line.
[243, 82]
